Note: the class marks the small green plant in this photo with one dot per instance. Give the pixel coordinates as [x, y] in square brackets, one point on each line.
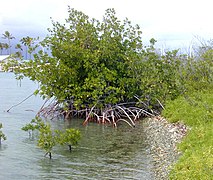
[2, 135]
[49, 138]
[35, 124]
[69, 137]
[46, 139]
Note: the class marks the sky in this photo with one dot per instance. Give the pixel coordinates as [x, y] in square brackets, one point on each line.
[170, 22]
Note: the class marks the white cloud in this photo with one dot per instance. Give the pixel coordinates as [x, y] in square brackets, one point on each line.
[162, 19]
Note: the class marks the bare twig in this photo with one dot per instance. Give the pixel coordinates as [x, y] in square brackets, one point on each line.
[20, 102]
[160, 104]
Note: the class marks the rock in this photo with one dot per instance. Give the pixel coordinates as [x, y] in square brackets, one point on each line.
[163, 138]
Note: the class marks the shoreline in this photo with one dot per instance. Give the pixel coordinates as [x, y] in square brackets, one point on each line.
[163, 138]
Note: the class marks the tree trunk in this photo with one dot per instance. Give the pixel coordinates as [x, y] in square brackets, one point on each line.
[70, 148]
[50, 155]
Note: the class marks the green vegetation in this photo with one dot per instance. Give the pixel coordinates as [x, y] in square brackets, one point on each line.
[8, 36]
[69, 137]
[48, 138]
[196, 111]
[103, 72]
[35, 123]
[2, 135]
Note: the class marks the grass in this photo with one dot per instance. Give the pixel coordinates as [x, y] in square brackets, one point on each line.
[196, 111]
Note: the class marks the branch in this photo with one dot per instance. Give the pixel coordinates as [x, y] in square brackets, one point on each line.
[20, 102]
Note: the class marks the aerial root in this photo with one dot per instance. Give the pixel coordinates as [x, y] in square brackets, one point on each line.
[115, 114]
[109, 115]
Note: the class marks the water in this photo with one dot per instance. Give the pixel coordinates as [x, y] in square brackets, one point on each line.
[103, 152]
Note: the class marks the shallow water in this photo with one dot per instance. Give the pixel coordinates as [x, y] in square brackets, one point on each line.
[103, 152]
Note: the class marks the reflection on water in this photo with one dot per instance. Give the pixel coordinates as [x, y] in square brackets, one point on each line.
[102, 153]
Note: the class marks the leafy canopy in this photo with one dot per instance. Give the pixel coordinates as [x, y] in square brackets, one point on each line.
[103, 63]
[91, 62]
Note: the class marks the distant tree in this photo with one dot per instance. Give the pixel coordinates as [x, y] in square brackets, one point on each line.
[27, 42]
[7, 35]
[18, 46]
[18, 54]
[1, 47]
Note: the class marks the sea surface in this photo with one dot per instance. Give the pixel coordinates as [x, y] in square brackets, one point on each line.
[103, 152]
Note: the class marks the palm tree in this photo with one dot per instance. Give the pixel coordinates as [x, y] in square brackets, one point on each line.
[18, 46]
[19, 52]
[27, 41]
[7, 35]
